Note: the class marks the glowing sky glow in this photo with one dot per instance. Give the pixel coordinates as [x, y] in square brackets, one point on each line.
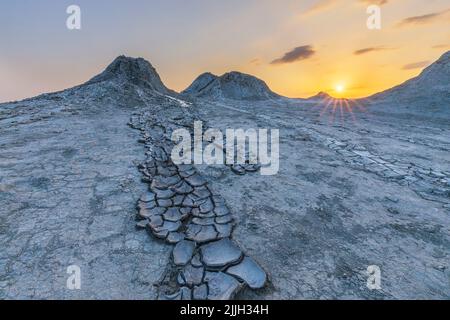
[298, 47]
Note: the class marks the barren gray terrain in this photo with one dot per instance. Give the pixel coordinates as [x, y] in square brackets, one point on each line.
[69, 186]
[370, 191]
[370, 187]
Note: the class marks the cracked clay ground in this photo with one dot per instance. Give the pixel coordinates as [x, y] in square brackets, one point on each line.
[69, 186]
[370, 191]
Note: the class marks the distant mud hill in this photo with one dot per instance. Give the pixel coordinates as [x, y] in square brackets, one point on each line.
[433, 84]
[233, 85]
[136, 71]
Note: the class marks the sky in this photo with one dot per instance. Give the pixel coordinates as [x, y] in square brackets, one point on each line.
[297, 47]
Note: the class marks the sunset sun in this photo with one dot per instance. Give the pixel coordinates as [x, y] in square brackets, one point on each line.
[340, 88]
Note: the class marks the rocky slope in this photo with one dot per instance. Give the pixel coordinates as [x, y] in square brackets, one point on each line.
[428, 92]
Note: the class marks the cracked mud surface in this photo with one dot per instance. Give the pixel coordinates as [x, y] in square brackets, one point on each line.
[348, 195]
[69, 186]
[181, 208]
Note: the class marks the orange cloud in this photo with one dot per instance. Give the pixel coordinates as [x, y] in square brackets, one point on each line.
[377, 2]
[416, 65]
[255, 62]
[370, 49]
[441, 46]
[320, 6]
[423, 19]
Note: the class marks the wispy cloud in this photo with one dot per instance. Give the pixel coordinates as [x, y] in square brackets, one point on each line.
[423, 19]
[441, 46]
[296, 54]
[320, 5]
[255, 62]
[416, 65]
[377, 2]
[370, 49]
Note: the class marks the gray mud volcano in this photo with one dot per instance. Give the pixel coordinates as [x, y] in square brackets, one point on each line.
[86, 179]
[232, 85]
